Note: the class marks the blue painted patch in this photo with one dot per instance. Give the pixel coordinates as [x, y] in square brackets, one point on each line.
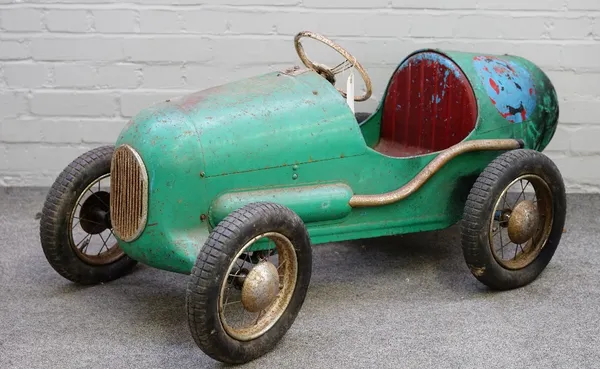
[509, 86]
[436, 98]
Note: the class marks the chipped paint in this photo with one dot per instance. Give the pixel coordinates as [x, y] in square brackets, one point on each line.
[433, 58]
[510, 87]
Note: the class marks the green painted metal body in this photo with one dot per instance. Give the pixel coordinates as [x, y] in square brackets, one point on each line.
[292, 139]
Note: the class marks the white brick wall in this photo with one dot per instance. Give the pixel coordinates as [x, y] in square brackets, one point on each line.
[73, 71]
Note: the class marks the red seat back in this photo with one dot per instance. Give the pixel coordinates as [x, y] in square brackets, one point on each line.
[429, 106]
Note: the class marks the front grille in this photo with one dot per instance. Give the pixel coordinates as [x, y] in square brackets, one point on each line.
[129, 193]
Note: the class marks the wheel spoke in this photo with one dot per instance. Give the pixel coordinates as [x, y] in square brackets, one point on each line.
[522, 193]
[85, 244]
[87, 220]
[504, 200]
[226, 299]
[83, 239]
[280, 265]
[501, 245]
[103, 243]
[103, 203]
[98, 197]
[504, 245]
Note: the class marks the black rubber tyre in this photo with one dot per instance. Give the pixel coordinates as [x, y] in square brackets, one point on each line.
[54, 229]
[478, 212]
[203, 290]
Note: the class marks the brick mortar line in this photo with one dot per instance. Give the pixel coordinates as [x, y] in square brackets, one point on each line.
[299, 9]
[19, 36]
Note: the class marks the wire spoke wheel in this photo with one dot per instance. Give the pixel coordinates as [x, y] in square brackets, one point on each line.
[252, 300]
[75, 229]
[91, 235]
[513, 219]
[521, 222]
[249, 282]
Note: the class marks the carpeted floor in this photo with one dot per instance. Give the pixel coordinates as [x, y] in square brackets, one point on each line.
[395, 302]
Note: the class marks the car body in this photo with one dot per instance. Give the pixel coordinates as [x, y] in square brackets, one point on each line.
[290, 137]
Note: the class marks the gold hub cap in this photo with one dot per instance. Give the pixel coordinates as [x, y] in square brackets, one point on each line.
[523, 221]
[261, 287]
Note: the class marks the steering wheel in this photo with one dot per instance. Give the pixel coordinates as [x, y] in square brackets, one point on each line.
[330, 73]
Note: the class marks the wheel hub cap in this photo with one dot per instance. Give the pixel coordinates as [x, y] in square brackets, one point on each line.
[523, 222]
[261, 287]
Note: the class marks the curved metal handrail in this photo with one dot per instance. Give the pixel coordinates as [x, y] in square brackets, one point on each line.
[431, 168]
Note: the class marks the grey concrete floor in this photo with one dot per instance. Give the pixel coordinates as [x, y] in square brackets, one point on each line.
[394, 302]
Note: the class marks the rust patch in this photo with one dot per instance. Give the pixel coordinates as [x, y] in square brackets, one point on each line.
[478, 272]
[291, 70]
[190, 101]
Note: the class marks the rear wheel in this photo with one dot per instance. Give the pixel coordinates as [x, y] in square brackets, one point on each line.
[514, 219]
[75, 228]
[240, 303]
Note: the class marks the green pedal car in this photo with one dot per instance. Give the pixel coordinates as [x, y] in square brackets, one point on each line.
[234, 184]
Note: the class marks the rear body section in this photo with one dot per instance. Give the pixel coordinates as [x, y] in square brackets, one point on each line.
[436, 99]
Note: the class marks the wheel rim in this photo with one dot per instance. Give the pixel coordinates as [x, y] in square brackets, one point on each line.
[520, 227]
[257, 303]
[90, 229]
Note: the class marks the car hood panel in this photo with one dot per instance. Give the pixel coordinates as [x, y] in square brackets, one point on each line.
[271, 120]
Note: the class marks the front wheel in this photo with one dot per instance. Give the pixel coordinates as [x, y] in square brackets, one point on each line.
[514, 219]
[241, 302]
[75, 228]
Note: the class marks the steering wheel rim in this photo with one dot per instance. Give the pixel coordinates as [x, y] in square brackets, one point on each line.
[329, 73]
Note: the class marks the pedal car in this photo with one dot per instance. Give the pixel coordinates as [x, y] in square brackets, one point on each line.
[234, 184]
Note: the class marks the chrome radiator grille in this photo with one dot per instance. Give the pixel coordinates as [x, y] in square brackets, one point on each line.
[129, 193]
